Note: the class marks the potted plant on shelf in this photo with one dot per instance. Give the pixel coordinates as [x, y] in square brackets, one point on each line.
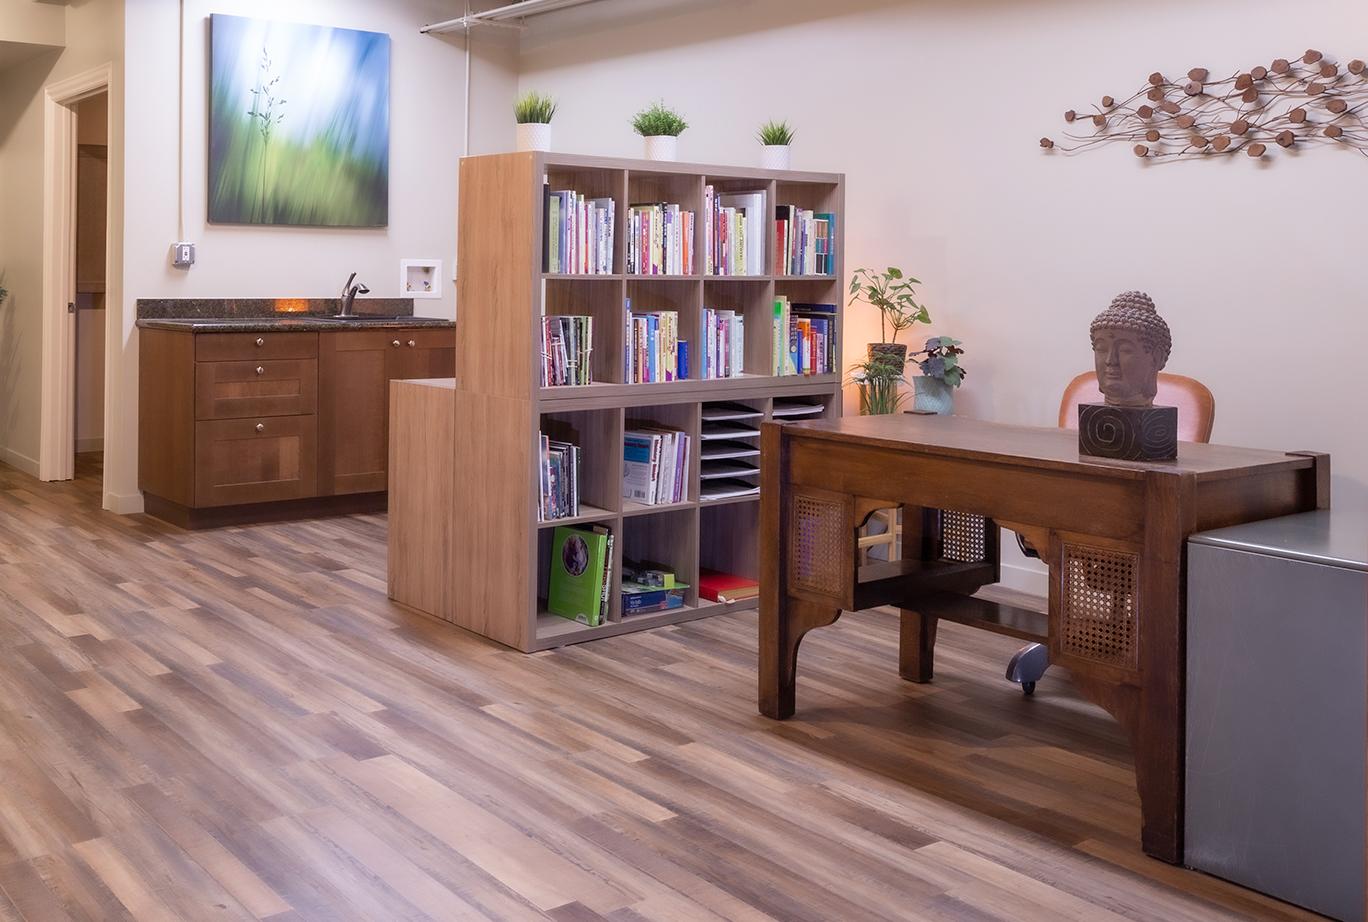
[894, 295]
[661, 126]
[775, 138]
[941, 373]
[878, 377]
[533, 112]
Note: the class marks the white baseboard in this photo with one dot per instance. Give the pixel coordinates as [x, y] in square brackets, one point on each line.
[124, 503]
[19, 461]
[1031, 580]
[95, 444]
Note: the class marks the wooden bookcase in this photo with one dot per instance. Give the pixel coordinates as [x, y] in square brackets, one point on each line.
[499, 552]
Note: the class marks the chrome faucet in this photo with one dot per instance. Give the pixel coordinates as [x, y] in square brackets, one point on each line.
[349, 293]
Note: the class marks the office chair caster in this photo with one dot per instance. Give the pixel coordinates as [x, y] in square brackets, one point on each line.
[1028, 665]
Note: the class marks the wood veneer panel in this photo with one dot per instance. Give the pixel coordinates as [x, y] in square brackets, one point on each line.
[421, 452]
[500, 263]
[492, 545]
[166, 420]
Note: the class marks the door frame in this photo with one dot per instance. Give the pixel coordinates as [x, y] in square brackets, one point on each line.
[57, 428]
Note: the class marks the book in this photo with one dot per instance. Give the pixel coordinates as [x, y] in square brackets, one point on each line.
[637, 598]
[560, 479]
[652, 350]
[567, 343]
[579, 233]
[660, 239]
[745, 213]
[724, 346]
[726, 587]
[655, 465]
[578, 558]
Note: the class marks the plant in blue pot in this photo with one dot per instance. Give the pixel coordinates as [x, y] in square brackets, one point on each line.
[941, 373]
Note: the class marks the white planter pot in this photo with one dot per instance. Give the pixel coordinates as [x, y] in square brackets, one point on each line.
[534, 136]
[774, 157]
[662, 147]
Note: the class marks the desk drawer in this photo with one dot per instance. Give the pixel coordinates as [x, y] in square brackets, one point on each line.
[248, 347]
[255, 460]
[233, 390]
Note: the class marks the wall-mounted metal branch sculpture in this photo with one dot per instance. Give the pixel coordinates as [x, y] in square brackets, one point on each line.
[1288, 104]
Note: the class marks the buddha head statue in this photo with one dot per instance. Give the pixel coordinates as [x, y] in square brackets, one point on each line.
[1131, 343]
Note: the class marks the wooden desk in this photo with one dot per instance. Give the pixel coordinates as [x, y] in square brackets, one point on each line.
[1113, 534]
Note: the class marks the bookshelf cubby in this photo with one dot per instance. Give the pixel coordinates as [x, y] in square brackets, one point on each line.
[499, 552]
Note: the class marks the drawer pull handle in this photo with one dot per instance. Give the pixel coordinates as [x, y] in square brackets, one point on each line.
[397, 344]
[260, 370]
[261, 427]
[261, 341]
[412, 344]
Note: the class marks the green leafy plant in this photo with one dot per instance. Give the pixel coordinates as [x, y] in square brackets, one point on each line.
[893, 295]
[772, 133]
[941, 360]
[878, 377]
[534, 108]
[658, 120]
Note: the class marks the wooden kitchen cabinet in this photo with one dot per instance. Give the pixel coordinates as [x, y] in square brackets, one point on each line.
[244, 426]
[355, 368]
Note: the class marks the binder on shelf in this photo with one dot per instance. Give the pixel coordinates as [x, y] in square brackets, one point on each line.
[579, 557]
[726, 587]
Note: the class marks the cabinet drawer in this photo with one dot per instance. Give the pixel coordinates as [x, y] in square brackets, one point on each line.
[246, 347]
[271, 387]
[424, 339]
[255, 460]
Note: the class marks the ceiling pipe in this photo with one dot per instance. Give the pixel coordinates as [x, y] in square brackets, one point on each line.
[501, 16]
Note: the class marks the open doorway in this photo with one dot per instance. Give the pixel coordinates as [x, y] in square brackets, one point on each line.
[92, 191]
[65, 167]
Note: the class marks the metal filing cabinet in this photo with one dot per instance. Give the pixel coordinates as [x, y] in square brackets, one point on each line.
[1277, 707]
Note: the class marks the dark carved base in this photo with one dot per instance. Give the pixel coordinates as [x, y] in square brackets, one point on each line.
[1128, 433]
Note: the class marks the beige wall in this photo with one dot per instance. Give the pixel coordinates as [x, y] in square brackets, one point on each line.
[933, 109]
[426, 125]
[93, 36]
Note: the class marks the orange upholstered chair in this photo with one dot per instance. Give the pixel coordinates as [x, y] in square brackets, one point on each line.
[1196, 406]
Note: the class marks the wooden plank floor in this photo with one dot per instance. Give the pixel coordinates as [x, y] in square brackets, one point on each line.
[237, 724]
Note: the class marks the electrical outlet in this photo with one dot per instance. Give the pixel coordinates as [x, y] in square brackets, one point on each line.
[182, 255]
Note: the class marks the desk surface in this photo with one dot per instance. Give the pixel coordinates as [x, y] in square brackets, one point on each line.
[1056, 449]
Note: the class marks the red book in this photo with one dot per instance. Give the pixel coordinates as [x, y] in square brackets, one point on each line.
[725, 587]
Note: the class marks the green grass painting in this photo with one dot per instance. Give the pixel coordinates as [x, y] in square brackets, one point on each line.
[298, 124]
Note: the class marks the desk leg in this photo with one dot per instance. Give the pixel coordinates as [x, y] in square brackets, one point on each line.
[782, 628]
[916, 646]
[1161, 722]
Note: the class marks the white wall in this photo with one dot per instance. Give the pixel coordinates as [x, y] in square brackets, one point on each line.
[93, 35]
[933, 111]
[427, 80]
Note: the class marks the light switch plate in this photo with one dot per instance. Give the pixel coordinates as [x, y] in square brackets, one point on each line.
[182, 255]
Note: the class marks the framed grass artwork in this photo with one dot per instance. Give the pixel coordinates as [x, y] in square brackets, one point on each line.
[298, 124]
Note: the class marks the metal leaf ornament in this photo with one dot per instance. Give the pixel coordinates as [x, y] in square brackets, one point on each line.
[1286, 105]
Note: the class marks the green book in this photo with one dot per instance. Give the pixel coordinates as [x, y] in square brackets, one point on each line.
[578, 558]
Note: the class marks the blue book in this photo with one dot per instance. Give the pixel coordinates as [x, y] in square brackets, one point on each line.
[682, 371]
[652, 330]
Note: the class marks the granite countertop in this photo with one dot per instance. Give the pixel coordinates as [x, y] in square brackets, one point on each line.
[301, 323]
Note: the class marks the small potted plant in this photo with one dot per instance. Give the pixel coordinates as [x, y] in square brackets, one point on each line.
[533, 112]
[941, 373]
[661, 126]
[878, 377]
[775, 138]
[895, 297]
